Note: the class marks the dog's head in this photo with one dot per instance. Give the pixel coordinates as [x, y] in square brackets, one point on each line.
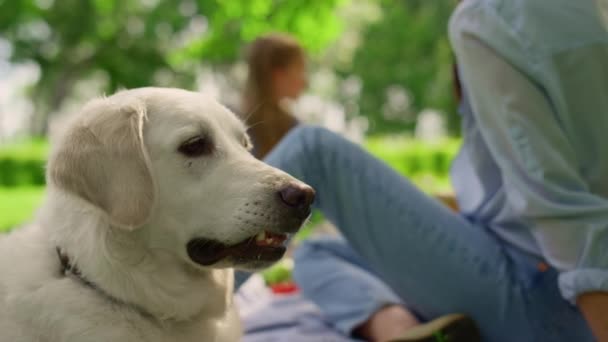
[176, 165]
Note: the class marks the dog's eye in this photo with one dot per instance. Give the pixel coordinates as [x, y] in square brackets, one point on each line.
[196, 147]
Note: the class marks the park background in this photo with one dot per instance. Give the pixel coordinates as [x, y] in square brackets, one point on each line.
[380, 73]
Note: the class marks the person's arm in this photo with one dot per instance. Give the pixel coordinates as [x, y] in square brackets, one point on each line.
[540, 172]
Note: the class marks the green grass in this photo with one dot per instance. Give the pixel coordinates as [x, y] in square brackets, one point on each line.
[17, 205]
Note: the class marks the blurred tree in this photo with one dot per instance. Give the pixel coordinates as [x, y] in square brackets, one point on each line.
[133, 42]
[405, 65]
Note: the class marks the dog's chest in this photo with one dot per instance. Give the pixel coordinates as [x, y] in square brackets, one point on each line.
[225, 329]
[64, 313]
[66, 326]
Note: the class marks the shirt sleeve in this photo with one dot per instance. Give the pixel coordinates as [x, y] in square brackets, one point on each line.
[538, 166]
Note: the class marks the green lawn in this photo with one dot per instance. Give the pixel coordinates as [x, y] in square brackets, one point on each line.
[17, 205]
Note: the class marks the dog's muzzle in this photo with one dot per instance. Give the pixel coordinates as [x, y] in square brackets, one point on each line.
[268, 246]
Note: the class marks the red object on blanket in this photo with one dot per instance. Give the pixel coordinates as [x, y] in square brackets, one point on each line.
[284, 288]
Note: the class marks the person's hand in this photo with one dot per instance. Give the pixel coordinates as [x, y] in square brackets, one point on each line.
[594, 306]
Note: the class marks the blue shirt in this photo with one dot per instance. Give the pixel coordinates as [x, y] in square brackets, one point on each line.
[534, 163]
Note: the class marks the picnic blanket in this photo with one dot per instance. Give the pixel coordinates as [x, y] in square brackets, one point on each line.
[270, 317]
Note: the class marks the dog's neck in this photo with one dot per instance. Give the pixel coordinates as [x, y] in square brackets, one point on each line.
[117, 262]
[69, 269]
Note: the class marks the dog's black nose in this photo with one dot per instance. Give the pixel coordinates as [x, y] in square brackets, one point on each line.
[298, 196]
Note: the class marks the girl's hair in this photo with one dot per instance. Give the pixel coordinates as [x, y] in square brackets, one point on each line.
[268, 121]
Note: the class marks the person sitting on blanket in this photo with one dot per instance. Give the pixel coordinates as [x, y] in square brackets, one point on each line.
[525, 258]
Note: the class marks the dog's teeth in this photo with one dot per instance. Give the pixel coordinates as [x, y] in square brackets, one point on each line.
[261, 236]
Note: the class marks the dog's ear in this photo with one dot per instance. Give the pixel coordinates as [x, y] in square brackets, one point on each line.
[103, 160]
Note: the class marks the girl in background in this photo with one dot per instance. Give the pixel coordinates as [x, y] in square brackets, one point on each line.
[277, 71]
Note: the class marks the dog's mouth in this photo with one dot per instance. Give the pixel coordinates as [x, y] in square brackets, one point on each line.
[263, 247]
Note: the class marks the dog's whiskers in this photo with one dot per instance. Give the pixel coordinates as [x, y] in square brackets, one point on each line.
[255, 124]
[252, 111]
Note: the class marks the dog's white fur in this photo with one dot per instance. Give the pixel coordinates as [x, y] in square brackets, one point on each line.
[123, 203]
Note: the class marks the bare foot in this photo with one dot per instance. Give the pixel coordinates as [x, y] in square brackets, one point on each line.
[390, 322]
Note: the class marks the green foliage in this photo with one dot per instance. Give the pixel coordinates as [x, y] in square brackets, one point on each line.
[22, 164]
[133, 43]
[425, 164]
[279, 273]
[235, 23]
[22, 173]
[128, 43]
[408, 47]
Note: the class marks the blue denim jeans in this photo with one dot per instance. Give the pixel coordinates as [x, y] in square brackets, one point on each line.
[405, 247]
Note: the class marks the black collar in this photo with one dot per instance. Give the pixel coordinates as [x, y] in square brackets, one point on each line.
[69, 269]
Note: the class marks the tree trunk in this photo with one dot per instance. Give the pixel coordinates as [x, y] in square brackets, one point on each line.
[47, 103]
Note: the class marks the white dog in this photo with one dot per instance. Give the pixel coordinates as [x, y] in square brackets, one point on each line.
[152, 198]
